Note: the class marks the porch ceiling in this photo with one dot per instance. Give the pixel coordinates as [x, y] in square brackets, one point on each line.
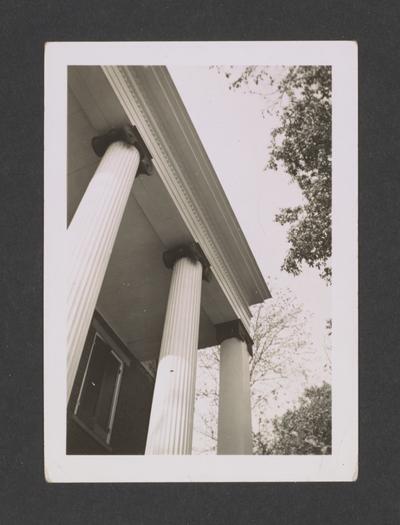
[135, 289]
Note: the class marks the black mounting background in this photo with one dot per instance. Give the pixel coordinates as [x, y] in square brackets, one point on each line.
[25, 496]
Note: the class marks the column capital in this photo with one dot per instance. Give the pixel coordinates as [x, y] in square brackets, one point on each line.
[236, 329]
[130, 135]
[193, 252]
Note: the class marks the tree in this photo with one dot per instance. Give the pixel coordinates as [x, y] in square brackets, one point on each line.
[280, 351]
[300, 96]
[305, 429]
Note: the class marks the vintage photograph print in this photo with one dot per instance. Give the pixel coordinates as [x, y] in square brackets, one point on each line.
[200, 263]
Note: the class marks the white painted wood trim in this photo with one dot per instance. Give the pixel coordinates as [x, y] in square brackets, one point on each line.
[228, 259]
[171, 420]
[234, 408]
[91, 236]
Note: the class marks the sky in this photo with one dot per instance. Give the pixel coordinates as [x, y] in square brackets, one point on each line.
[236, 136]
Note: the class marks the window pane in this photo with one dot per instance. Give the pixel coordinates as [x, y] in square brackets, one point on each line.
[91, 388]
[106, 394]
[98, 392]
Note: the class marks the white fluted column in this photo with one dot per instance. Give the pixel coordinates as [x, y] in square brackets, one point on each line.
[91, 237]
[171, 420]
[234, 409]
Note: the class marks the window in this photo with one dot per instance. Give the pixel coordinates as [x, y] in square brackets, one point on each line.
[98, 396]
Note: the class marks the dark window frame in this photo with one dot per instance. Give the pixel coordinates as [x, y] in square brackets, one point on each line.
[93, 429]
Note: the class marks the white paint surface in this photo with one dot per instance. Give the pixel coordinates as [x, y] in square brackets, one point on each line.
[171, 418]
[91, 236]
[234, 415]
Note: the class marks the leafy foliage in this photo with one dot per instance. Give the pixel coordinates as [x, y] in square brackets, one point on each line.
[305, 429]
[301, 97]
[303, 144]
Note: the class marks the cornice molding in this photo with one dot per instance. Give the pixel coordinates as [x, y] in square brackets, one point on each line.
[228, 257]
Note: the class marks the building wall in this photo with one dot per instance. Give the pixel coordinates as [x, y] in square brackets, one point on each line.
[132, 413]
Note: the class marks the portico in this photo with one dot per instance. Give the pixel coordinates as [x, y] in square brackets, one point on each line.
[156, 252]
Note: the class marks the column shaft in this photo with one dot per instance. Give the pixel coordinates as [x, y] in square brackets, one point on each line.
[171, 421]
[234, 411]
[90, 238]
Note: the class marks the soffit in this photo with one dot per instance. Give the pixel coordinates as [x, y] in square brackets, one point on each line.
[146, 97]
[151, 100]
[135, 289]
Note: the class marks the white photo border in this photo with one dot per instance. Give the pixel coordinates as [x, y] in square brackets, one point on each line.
[342, 465]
